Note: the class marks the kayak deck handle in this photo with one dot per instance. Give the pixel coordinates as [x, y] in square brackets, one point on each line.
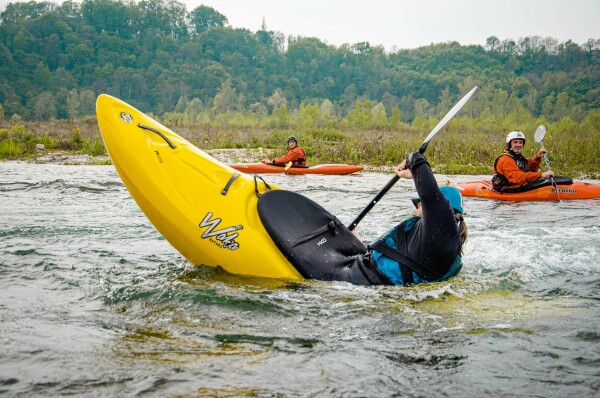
[231, 180]
[159, 133]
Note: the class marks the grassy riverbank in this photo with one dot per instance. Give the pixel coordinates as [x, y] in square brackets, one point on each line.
[465, 146]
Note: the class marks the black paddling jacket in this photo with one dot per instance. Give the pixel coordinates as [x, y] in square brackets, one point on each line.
[431, 243]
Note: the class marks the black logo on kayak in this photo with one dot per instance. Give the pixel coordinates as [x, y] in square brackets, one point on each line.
[562, 190]
[126, 117]
[225, 237]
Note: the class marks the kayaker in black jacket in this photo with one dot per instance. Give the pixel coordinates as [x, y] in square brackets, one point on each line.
[426, 247]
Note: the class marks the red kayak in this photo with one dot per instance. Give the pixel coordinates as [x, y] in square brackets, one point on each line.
[566, 189]
[331, 169]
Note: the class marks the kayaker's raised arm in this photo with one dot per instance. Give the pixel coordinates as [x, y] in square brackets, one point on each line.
[426, 247]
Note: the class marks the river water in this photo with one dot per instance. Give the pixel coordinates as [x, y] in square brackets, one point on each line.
[94, 302]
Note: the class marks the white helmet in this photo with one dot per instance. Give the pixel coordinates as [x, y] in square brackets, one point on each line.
[513, 135]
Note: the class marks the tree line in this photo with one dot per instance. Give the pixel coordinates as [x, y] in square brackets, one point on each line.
[192, 66]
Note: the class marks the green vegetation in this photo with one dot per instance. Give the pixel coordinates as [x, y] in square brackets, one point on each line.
[463, 147]
[154, 54]
[225, 87]
[20, 141]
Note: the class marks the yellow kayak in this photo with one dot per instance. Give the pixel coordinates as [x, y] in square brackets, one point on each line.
[204, 208]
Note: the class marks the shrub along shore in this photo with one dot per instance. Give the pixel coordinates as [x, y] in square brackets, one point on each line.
[464, 146]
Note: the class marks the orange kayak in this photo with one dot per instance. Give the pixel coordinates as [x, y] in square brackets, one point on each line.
[546, 192]
[331, 169]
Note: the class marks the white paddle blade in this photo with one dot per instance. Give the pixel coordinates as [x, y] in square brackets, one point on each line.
[540, 133]
[446, 119]
[450, 115]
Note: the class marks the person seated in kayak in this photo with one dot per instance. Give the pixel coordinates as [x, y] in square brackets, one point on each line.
[512, 170]
[426, 247]
[295, 154]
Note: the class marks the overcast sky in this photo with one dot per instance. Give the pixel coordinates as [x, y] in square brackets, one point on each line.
[412, 23]
[415, 23]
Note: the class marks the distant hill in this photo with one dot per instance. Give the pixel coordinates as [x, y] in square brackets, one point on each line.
[154, 54]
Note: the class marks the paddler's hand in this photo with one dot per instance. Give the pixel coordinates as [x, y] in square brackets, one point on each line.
[548, 173]
[267, 161]
[402, 171]
[541, 153]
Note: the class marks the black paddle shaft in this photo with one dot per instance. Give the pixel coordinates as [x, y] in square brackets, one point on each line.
[373, 202]
[377, 197]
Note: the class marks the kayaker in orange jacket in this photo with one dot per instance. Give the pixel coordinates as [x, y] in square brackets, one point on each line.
[295, 154]
[512, 170]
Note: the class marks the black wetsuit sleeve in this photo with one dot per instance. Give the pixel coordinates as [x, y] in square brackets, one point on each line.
[435, 239]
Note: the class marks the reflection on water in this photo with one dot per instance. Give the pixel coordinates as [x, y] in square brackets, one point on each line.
[95, 302]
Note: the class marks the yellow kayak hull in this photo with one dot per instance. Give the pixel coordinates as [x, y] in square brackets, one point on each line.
[204, 208]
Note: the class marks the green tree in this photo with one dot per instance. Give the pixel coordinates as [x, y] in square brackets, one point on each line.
[194, 110]
[445, 102]
[73, 104]
[152, 53]
[45, 106]
[280, 117]
[422, 108]
[225, 99]
[309, 115]
[204, 18]
[360, 116]
[492, 43]
[395, 118]
[548, 107]
[110, 16]
[328, 114]
[87, 103]
[277, 100]
[18, 12]
[165, 16]
[182, 103]
[379, 116]
[42, 77]
[531, 101]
